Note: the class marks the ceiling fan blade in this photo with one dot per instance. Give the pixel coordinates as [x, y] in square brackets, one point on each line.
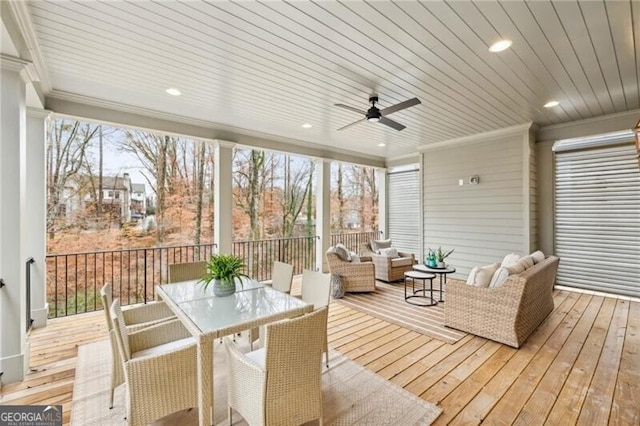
[402, 105]
[351, 108]
[352, 124]
[391, 123]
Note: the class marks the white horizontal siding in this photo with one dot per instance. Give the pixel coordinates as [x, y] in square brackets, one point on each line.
[481, 222]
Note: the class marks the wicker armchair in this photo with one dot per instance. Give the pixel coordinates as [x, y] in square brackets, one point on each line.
[135, 318]
[280, 384]
[388, 269]
[160, 368]
[355, 276]
[506, 314]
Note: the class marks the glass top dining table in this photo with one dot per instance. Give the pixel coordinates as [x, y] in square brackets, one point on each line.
[208, 317]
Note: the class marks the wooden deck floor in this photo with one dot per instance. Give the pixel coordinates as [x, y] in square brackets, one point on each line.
[582, 366]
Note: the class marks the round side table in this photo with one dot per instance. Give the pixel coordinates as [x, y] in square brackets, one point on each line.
[440, 271]
[419, 296]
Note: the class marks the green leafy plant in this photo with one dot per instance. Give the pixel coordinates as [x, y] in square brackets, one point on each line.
[225, 268]
[440, 254]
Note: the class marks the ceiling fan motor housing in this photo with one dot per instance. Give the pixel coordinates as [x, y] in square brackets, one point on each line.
[373, 114]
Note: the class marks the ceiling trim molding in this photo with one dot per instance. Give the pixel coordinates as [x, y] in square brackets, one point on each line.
[402, 160]
[86, 108]
[38, 113]
[516, 130]
[22, 19]
[11, 63]
[591, 126]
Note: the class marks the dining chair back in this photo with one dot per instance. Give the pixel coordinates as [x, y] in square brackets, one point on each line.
[282, 382]
[316, 289]
[282, 276]
[135, 318]
[186, 271]
[160, 368]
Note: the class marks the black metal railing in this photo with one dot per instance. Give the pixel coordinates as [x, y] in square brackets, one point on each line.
[353, 240]
[259, 255]
[30, 261]
[74, 280]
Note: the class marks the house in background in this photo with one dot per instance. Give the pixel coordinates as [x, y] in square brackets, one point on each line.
[138, 201]
[121, 199]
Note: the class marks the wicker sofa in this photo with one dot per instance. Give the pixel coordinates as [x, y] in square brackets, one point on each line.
[355, 277]
[506, 314]
[387, 268]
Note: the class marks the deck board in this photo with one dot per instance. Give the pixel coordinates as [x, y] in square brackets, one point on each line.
[579, 367]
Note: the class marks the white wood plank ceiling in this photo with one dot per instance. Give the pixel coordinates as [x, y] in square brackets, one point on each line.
[272, 66]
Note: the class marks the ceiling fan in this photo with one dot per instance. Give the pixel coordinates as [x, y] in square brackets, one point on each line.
[375, 115]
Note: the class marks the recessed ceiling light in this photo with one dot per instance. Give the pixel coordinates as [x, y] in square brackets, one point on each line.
[499, 46]
[307, 126]
[551, 104]
[382, 144]
[173, 92]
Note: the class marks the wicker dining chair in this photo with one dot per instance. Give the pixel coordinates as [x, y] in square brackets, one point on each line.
[135, 318]
[316, 290]
[282, 382]
[186, 271]
[160, 368]
[282, 276]
[281, 279]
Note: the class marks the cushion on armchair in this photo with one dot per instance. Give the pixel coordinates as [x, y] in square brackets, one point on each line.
[391, 252]
[341, 251]
[401, 261]
[376, 245]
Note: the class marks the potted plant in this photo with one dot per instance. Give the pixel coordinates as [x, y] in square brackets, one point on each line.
[441, 255]
[223, 270]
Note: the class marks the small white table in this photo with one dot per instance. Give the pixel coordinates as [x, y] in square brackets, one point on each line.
[208, 317]
[440, 271]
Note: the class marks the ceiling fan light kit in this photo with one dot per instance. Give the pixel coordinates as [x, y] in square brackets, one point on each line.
[375, 115]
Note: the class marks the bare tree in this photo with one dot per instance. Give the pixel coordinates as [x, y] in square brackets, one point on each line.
[251, 178]
[297, 181]
[67, 145]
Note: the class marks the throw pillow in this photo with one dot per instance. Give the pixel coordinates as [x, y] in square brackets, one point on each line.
[484, 275]
[337, 289]
[510, 260]
[391, 252]
[342, 252]
[537, 256]
[376, 245]
[354, 257]
[521, 265]
[499, 277]
[471, 279]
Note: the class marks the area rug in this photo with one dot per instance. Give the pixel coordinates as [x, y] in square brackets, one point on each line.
[387, 303]
[351, 394]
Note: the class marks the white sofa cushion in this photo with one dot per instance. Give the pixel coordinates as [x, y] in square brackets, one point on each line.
[521, 265]
[471, 279]
[510, 260]
[499, 277]
[485, 274]
[537, 256]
